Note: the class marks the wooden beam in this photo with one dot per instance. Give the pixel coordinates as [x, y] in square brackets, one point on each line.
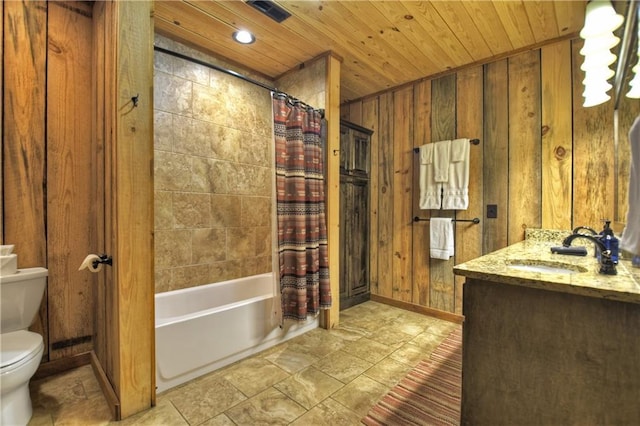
[332, 115]
[133, 198]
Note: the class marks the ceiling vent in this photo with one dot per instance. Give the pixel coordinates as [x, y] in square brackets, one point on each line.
[270, 9]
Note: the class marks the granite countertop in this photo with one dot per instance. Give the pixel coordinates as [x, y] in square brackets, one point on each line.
[536, 249]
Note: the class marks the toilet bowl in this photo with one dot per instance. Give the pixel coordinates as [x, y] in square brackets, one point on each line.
[19, 359]
[21, 350]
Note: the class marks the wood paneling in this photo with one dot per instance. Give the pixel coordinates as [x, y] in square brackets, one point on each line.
[556, 135]
[496, 155]
[524, 145]
[469, 122]
[443, 127]
[71, 232]
[385, 169]
[1, 127]
[402, 193]
[593, 155]
[24, 130]
[383, 44]
[421, 136]
[24, 150]
[370, 121]
[522, 109]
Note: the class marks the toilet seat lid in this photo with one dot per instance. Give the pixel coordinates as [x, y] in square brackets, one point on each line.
[18, 345]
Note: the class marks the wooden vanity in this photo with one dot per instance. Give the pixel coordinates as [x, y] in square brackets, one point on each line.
[549, 348]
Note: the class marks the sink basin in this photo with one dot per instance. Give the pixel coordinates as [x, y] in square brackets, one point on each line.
[545, 267]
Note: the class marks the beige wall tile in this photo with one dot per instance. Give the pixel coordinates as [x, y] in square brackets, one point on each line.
[163, 210]
[190, 71]
[209, 245]
[250, 180]
[222, 271]
[191, 210]
[256, 211]
[172, 94]
[172, 248]
[213, 170]
[172, 172]
[162, 280]
[162, 131]
[190, 276]
[240, 243]
[226, 211]
[263, 241]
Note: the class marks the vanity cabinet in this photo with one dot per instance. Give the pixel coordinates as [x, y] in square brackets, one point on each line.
[354, 214]
[549, 348]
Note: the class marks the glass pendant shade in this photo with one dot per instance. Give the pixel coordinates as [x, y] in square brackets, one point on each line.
[598, 60]
[600, 18]
[595, 99]
[599, 43]
[598, 74]
[634, 92]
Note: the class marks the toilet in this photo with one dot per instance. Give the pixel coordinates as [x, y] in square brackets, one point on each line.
[21, 350]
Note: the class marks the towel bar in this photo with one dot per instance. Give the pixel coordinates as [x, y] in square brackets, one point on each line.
[473, 141]
[474, 220]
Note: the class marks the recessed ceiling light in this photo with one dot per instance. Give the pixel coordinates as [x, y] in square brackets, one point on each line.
[244, 37]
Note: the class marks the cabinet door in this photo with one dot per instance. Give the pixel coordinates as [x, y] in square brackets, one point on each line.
[354, 240]
[358, 229]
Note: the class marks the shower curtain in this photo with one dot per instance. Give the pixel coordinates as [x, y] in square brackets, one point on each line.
[300, 205]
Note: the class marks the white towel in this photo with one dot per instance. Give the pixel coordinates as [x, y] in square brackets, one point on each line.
[429, 189]
[441, 238]
[455, 194]
[631, 236]
[441, 159]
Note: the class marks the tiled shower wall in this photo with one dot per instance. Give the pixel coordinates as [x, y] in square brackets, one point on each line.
[213, 173]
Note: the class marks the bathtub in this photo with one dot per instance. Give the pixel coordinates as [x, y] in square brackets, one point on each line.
[201, 329]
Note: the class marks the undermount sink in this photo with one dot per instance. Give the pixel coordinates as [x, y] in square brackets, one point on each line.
[545, 267]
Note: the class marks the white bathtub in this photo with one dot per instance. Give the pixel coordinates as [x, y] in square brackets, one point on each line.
[201, 329]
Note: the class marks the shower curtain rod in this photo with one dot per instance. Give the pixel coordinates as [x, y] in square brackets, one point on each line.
[290, 98]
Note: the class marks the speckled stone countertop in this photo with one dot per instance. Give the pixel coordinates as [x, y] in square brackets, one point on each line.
[536, 250]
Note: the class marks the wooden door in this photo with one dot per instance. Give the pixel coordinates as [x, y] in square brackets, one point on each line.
[354, 216]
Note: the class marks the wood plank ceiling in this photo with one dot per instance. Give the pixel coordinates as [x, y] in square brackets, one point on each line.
[383, 44]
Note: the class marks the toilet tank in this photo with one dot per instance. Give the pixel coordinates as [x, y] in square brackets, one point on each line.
[20, 297]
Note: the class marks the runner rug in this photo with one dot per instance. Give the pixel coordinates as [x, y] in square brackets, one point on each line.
[429, 395]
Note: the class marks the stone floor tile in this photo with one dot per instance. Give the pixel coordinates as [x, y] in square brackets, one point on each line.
[361, 394]
[253, 375]
[328, 412]
[309, 386]
[270, 407]
[342, 366]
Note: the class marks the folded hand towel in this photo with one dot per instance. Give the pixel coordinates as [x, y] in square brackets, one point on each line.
[441, 238]
[441, 161]
[429, 189]
[455, 191]
[459, 150]
[426, 154]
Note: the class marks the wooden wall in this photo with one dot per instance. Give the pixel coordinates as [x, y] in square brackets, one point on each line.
[46, 150]
[66, 98]
[543, 159]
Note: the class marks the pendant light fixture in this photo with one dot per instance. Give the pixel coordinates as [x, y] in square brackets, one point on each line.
[601, 20]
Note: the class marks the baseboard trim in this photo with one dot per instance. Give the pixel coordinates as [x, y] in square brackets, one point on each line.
[109, 394]
[50, 368]
[447, 316]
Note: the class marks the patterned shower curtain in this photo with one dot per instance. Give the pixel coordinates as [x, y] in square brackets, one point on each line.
[302, 229]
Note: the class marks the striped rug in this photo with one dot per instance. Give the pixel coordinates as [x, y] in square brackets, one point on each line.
[429, 395]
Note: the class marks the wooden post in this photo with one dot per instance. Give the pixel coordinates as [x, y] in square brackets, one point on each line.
[330, 318]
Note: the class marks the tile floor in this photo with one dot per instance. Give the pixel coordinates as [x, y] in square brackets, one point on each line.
[320, 378]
